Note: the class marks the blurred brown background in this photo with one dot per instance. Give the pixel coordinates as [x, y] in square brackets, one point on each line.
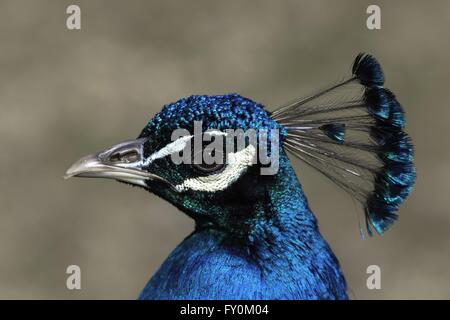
[67, 93]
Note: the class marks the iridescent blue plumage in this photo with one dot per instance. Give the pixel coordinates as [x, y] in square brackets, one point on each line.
[255, 236]
[335, 131]
[394, 182]
[256, 240]
[373, 160]
[277, 252]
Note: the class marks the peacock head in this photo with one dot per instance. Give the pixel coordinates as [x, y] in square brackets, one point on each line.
[210, 156]
[216, 157]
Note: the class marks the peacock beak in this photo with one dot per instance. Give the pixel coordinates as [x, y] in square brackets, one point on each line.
[121, 162]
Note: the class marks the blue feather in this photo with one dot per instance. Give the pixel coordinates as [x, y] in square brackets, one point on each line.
[396, 113]
[335, 131]
[367, 69]
[283, 256]
[397, 148]
[378, 102]
[391, 175]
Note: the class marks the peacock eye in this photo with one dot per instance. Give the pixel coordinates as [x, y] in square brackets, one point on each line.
[208, 168]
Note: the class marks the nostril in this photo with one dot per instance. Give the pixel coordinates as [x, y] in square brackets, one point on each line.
[127, 157]
[115, 157]
[131, 156]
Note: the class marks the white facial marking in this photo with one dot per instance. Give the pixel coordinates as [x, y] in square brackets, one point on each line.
[215, 133]
[237, 164]
[175, 146]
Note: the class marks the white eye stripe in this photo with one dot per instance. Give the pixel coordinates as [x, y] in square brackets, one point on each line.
[238, 164]
[215, 133]
[175, 146]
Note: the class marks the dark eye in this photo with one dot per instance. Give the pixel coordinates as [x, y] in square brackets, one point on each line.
[127, 157]
[208, 168]
[203, 167]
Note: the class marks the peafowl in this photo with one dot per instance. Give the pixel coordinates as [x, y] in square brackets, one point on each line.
[255, 236]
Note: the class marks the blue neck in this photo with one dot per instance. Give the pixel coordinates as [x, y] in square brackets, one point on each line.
[283, 257]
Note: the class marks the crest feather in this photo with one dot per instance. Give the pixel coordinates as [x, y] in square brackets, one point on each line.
[353, 133]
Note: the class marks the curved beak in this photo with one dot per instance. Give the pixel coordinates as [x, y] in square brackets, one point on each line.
[121, 162]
